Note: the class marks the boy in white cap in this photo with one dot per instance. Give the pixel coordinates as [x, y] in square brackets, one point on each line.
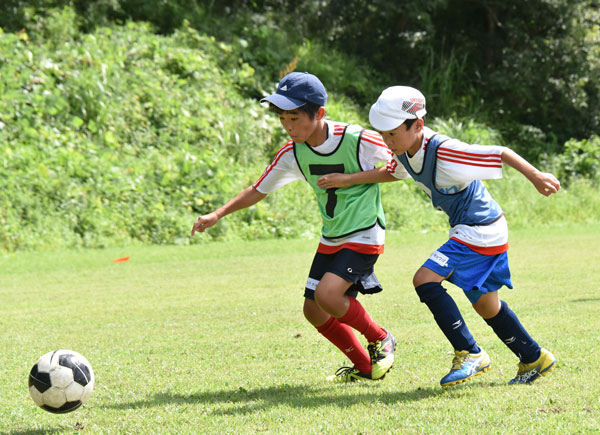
[475, 256]
[353, 229]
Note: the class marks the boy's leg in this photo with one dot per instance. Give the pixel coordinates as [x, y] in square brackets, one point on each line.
[507, 327]
[331, 296]
[534, 361]
[331, 286]
[469, 359]
[428, 285]
[339, 334]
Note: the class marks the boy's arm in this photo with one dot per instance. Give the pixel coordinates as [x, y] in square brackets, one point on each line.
[377, 175]
[544, 182]
[247, 197]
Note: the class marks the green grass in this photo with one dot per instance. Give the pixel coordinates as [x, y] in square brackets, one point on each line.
[211, 339]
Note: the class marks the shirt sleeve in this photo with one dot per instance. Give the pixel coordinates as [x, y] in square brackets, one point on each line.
[373, 151]
[397, 169]
[283, 170]
[459, 163]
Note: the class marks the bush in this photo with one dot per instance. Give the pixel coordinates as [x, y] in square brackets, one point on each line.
[524, 207]
[120, 135]
[579, 160]
[467, 130]
[123, 136]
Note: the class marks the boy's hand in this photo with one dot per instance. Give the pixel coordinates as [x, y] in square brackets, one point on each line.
[334, 181]
[545, 183]
[204, 222]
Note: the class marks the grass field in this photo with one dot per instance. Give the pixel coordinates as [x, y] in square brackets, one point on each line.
[211, 339]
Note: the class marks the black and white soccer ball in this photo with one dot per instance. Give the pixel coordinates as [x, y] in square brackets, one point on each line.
[61, 381]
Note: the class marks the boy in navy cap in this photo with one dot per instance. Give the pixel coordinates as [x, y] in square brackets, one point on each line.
[353, 229]
[475, 258]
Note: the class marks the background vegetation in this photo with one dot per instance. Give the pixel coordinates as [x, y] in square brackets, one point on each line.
[121, 120]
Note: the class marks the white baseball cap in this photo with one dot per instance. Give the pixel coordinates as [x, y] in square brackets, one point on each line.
[395, 105]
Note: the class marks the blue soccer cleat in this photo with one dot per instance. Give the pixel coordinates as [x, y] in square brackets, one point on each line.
[465, 365]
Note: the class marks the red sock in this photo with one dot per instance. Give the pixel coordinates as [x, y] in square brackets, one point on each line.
[343, 337]
[358, 318]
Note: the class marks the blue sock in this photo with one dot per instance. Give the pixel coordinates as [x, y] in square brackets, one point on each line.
[447, 316]
[507, 327]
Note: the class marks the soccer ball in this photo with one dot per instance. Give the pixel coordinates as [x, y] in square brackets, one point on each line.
[61, 381]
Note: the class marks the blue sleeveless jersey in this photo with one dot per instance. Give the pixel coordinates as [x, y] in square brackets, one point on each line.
[471, 206]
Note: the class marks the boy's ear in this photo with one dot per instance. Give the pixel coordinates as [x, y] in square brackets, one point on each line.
[320, 113]
[419, 125]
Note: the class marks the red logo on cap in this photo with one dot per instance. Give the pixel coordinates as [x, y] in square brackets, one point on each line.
[414, 105]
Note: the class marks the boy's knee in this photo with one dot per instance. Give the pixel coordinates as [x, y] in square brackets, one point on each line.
[313, 313]
[320, 295]
[429, 291]
[330, 289]
[425, 276]
[488, 306]
[324, 297]
[417, 279]
[308, 308]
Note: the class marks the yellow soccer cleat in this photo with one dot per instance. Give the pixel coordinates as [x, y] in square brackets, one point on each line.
[528, 373]
[349, 374]
[382, 355]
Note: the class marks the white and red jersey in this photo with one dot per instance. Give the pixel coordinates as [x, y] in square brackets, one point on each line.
[284, 169]
[457, 165]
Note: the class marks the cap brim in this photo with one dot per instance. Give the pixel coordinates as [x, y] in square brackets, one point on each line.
[284, 103]
[383, 122]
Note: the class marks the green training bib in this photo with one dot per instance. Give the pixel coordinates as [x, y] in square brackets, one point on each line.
[349, 209]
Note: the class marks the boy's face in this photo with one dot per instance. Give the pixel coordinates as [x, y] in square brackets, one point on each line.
[401, 139]
[301, 127]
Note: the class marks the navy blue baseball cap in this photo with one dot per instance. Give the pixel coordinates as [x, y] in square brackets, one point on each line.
[296, 89]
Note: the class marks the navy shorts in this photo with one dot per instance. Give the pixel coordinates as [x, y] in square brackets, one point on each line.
[350, 265]
[475, 273]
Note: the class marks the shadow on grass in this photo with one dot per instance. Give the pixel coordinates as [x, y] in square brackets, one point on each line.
[242, 401]
[586, 300]
[36, 431]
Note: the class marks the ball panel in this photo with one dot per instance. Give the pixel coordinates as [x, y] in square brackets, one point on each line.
[54, 397]
[36, 395]
[74, 392]
[44, 364]
[40, 380]
[61, 377]
[82, 369]
[67, 407]
[82, 375]
[87, 391]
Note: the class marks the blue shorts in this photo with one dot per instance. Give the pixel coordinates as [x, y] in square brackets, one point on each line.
[473, 272]
[352, 266]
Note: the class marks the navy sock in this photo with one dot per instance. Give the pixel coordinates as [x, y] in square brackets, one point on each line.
[447, 316]
[507, 327]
